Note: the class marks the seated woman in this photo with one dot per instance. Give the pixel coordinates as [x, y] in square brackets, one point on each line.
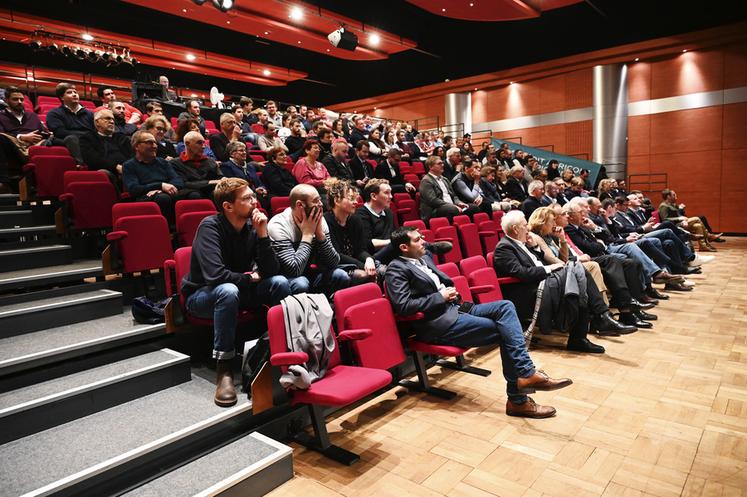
[184, 126]
[308, 170]
[551, 295]
[278, 180]
[346, 232]
[490, 191]
[159, 127]
[238, 167]
[376, 146]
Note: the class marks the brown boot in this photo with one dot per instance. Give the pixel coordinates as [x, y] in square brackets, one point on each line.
[715, 238]
[225, 392]
[540, 381]
[704, 246]
[529, 409]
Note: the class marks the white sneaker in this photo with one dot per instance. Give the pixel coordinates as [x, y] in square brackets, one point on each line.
[700, 260]
[687, 283]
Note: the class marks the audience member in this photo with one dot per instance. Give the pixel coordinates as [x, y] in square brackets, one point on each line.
[536, 190]
[120, 124]
[453, 163]
[437, 198]
[516, 185]
[70, 120]
[361, 168]
[19, 130]
[270, 139]
[233, 267]
[335, 162]
[467, 186]
[193, 112]
[238, 167]
[132, 115]
[170, 94]
[159, 127]
[105, 149]
[669, 210]
[278, 180]
[184, 126]
[308, 170]
[300, 238]
[199, 172]
[230, 131]
[294, 143]
[552, 169]
[389, 170]
[247, 105]
[273, 115]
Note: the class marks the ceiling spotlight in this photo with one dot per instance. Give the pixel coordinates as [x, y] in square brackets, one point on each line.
[67, 51]
[35, 44]
[53, 48]
[637, 59]
[510, 82]
[191, 57]
[684, 51]
[344, 39]
[443, 10]
[266, 72]
[296, 13]
[87, 37]
[81, 54]
[223, 5]
[374, 39]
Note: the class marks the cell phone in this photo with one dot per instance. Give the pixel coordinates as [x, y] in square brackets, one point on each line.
[465, 307]
[45, 134]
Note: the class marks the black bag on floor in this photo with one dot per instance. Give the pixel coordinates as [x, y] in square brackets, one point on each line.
[145, 311]
[254, 358]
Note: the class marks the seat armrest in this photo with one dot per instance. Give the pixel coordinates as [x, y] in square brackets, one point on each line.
[29, 168]
[355, 334]
[507, 280]
[484, 234]
[289, 358]
[413, 317]
[478, 289]
[66, 197]
[116, 235]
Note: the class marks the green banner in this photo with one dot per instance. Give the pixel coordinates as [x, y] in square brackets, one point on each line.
[565, 162]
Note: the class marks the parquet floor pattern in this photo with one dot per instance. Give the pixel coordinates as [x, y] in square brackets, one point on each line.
[662, 413]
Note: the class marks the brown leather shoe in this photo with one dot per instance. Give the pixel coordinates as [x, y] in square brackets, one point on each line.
[225, 392]
[715, 237]
[665, 277]
[529, 409]
[540, 381]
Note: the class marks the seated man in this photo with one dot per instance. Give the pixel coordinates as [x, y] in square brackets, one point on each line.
[247, 105]
[335, 162]
[294, 142]
[270, 138]
[70, 120]
[193, 112]
[388, 169]
[516, 186]
[669, 210]
[362, 169]
[105, 149]
[200, 173]
[468, 187]
[534, 200]
[437, 198]
[170, 94]
[229, 132]
[120, 124]
[300, 238]
[414, 284]
[131, 114]
[232, 267]
[513, 256]
[147, 177]
[19, 130]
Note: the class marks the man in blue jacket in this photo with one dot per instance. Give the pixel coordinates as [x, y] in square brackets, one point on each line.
[70, 120]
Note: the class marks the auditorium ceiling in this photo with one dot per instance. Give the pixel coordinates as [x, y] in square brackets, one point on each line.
[279, 49]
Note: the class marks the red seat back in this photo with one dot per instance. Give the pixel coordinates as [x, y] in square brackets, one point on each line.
[84, 176]
[134, 209]
[182, 259]
[278, 342]
[460, 219]
[44, 99]
[488, 237]
[187, 224]
[438, 222]
[405, 167]
[497, 216]
[462, 287]
[49, 174]
[38, 150]
[471, 264]
[91, 203]
[88, 104]
[279, 204]
[656, 216]
[148, 242]
[480, 217]
[418, 168]
[196, 205]
[450, 233]
[420, 226]
[258, 128]
[486, 277]
[470, 240]
[406, 210]
[449, 269]
[383, 349]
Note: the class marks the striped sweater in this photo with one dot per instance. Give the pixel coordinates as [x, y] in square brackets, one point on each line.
[295, 255]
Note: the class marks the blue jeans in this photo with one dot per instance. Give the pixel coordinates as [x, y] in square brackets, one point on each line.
[495, 323]
[326, 282]
[222, 303]
[634, 252]
[680, 251]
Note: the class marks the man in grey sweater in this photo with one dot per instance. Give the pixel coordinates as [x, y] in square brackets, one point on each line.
[300, 237]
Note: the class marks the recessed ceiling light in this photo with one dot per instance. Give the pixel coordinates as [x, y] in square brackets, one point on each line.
[374, 39]
[475, 89]
[447, 80]
[471, 4]
[296, 13]
[184, 10]
[299, 42]
[328, 50]
[510, 82]
[266, 72]
[637, 59]
[194, 95]
[443, 10]
[228, 22]
[266, 33]
[191, 57]
[87, 37]
[374, 108]
[684, 51]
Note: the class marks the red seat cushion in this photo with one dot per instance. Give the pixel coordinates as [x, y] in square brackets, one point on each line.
[429, 348]
[343, 385]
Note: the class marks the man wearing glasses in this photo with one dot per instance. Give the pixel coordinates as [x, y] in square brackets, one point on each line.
[232, 267]
[104, 149]
[150, 178]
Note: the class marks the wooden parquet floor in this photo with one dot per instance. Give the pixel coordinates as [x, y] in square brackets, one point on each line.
[662, 413]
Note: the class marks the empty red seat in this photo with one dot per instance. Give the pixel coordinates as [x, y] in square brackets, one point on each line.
[484, 285]
[438, 222]
[418, 168]
[37, 150]
[460, 219]
[44, 99]
[134, 209]
[489, 237]
[341, 385]
[48, 172]
[140, 243]
[479, 217]
[469, 265]
[258, 128]
[279, 204]
[88, 104]
[187, 224]
[405, 168]
[470, 240]
[88, 200]
[174, 122]
[406, 210]
[195, 205]
[449, 269]
[418, 224]
[449, 234]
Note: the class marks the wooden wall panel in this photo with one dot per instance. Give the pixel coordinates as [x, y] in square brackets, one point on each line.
[416, 109]
[579, 140]
[735, 66]
[691, 72]
[639, 133]
[579, 89]
[687, 130]
[640, 164]
[735, 126]
[733, 191]
[552, 94]
[552, 135]
[639, 81]
[479, 106]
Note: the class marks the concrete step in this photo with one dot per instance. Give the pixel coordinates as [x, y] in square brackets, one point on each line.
[252, 465]
[111, 450]
[26, 258]
[37, 407]
[49, 275]
[61, 344]
[9, 199]
[14, 218]
[33, 315]
[28, 233]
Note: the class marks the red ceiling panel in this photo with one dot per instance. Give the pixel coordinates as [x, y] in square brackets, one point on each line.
[271, 20]
[490, 10]
[19, 27]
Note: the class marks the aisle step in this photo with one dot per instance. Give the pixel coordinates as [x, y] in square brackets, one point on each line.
[48, 275]
[34, 315]
[14, 218]
[32, 257]
[37, 407]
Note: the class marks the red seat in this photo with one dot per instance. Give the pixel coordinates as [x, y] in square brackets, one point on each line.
[373, 164]
[449, 234]
[341, 385]
[418, 224]
[258, 128]
[88, 200]
[655, 215]
[479, 217]
[174, 122]
[413, 179]
[47, 100]
[497, 216]
[489, 237]
[406, 210]
[460, 219]
[484, 285]
[438, 222]
[174, 271]
[418, 168]
[449, 269]
[88, 104]
[48, 172]
[196, 205]
[187, 224]
[142, 242]
[209, 125]
[134, 209]
[470, 240]
[256, 158]
[279, 204]
[37, 150]
[471, 264]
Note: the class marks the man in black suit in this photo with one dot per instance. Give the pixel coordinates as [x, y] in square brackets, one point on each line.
[335, 162]
[388, 169]
[437, 198]
[514, 257]
[359, 131]
[104, 149]
[414, 284]
[534, 200]
[362, 169]
[516, 186]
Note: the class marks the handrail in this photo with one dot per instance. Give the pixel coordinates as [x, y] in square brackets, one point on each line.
[552, 147]
[649, 181]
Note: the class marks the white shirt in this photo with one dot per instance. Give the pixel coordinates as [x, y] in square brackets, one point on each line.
[425, 269]
[379, 214]
[444, 191]
[533, 257]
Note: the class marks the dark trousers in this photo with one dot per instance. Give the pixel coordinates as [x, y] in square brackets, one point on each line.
[622, 277]
[72, 143]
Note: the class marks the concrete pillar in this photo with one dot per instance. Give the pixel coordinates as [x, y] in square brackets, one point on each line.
[458, 110]
[611, 118]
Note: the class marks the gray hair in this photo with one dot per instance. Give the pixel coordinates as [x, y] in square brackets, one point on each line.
[571, 207]
[453, 151]
[100, 113]
[193, 135]
[234, 146]
[511, 219]
[516, 168]
[535, 185]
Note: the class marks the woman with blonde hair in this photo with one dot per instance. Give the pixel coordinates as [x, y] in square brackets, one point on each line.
[606, 189]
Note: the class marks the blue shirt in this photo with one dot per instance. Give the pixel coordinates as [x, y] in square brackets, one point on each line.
[141, 177]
